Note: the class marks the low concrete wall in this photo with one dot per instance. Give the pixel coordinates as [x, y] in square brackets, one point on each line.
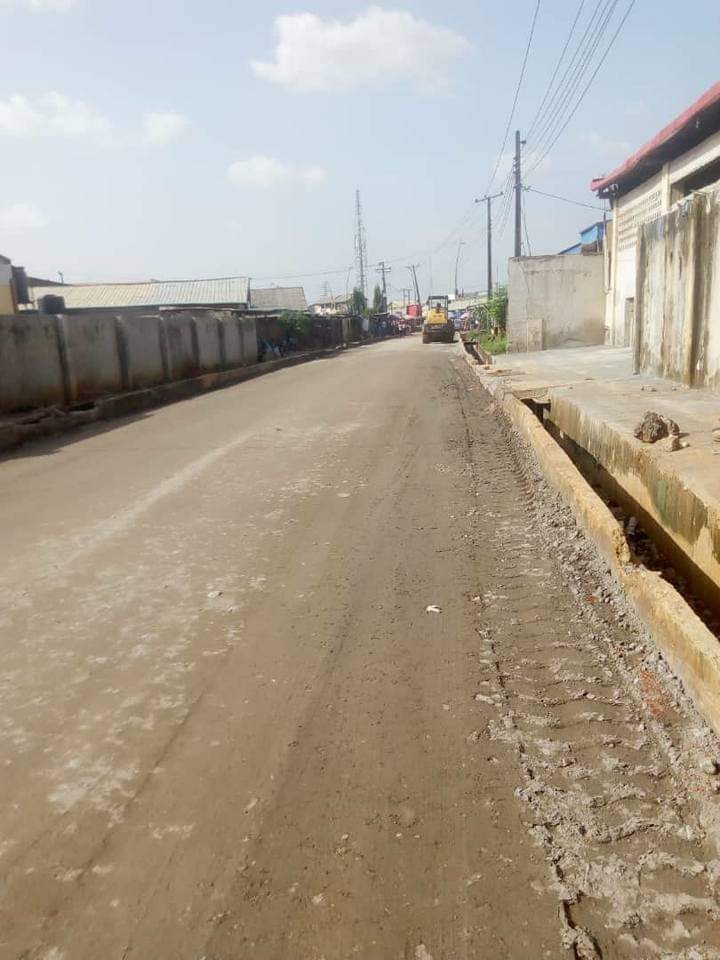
[87, 354]
[248, 338]
[47, 360]
[181, 346]
[31, 371]
[232, 340]
[209, 343]
[677, 297]
[143, 361]
[556, 301]
[93, 356]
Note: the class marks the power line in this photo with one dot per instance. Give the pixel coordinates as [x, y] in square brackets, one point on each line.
[575, 66]
[531, 128]
[589, 83]
[554, 196]
[515, 98]
[565, 97]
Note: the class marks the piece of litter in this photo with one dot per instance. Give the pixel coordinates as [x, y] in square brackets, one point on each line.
[214, 594]
[432, 608]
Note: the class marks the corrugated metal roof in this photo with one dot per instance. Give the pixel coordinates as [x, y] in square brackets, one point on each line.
[154, 293]
[651, 156]
[278, 298]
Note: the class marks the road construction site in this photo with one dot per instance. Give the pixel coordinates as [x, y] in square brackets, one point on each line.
[321, 665]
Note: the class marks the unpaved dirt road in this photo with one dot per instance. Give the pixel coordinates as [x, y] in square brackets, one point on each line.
[230, 727]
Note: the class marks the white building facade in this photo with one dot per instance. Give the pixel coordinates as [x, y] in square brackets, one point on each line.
[682, 159]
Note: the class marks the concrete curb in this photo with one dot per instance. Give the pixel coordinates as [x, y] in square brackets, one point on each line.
[44, 423]
[691, 650]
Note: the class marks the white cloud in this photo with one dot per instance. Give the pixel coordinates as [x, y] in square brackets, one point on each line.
[161, 128]
[40, 5]
[260, 171]
[51, 114]
[377, 46]
[21, 216]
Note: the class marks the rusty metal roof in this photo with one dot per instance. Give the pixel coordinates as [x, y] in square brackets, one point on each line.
[699, 121]
[225, 291]
[278, 298]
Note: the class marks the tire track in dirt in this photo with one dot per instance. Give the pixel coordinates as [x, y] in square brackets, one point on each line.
[635, 871]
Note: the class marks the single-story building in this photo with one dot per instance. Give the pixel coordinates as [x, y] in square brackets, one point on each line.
[682, 159]
[277, 299]
[330, 306]
[230, 293]
[592, 239]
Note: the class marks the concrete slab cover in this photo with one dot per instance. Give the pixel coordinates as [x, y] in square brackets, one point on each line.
[534, 373]
[680, 491]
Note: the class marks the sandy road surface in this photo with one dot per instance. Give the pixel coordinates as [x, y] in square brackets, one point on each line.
[229, 727]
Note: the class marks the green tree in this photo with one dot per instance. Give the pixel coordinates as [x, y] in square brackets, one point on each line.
[497, 309]
[378, 304]
[295, 323]
[358, 303]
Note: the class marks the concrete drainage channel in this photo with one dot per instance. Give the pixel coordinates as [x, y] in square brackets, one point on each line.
[684, 627]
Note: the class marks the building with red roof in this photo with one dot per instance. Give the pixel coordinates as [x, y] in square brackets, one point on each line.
[682, 159]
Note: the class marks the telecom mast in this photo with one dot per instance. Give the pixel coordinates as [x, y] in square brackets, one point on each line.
[360, 246]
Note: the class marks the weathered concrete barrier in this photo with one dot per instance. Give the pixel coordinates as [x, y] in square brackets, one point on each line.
[32, 371]
[141, 351]
[70, 359]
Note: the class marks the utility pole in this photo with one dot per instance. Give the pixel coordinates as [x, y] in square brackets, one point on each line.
[489, 199]
[360, 246]
[518, 195]
[412, 268]
[383, 269]
[457, 261]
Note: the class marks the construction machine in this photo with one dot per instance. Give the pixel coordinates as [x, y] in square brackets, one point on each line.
[438, 328]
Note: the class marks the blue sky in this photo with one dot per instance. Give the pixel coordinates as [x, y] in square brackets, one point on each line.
[160, 138]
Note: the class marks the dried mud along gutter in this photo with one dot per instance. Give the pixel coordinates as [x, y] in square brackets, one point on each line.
[690, 648]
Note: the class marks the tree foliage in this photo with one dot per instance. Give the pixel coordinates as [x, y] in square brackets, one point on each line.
[295, 323]
[497, 309]
[378, 304]
[358, 303]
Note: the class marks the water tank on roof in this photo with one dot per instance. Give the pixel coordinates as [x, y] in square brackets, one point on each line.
[51, 303]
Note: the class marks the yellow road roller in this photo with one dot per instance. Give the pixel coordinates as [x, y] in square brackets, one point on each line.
[437, 327]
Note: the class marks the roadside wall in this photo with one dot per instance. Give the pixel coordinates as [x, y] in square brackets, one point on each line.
[92, 356]
[677, 297]
[555, 301]
[142, 343]
[31, 371]
[48, 360]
